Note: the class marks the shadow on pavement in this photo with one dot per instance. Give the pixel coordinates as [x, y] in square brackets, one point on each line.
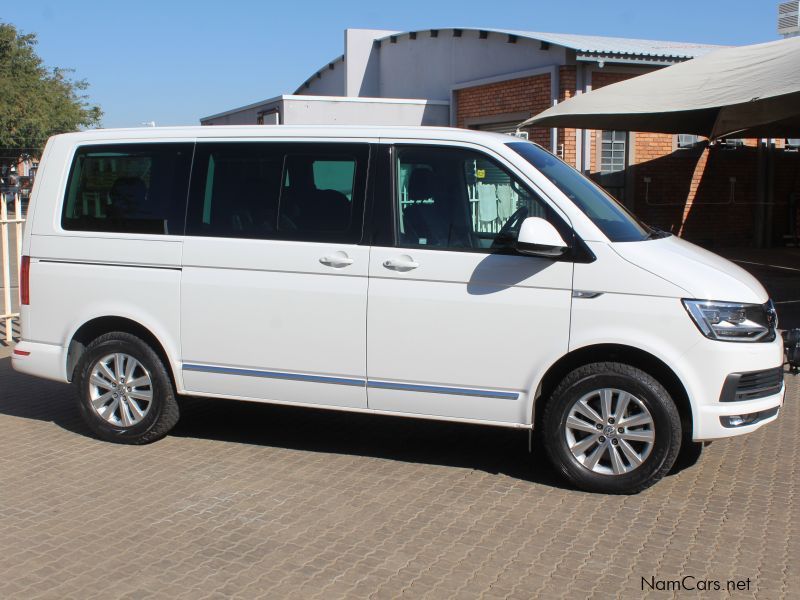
[493, 450]
[490, 449]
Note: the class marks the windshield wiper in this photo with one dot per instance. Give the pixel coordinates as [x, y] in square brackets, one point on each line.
[657, 234]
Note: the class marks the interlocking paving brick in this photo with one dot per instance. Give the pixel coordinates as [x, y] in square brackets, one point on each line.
[256, 501]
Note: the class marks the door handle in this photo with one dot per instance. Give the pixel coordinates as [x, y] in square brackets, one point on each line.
[336, 260]
[402, 263]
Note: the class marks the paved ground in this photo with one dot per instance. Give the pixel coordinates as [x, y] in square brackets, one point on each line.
[248, 500]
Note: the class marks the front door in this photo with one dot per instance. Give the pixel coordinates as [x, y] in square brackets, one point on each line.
[459, 324]
[274, 283]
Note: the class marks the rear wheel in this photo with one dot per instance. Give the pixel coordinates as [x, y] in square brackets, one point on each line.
[124, 392]
[611, 428]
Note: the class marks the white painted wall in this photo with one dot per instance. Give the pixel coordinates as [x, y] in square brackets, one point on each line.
[246, 115]
[363, 111]
[362, 61]
[331, 110]
[331, 82]
[428, 67]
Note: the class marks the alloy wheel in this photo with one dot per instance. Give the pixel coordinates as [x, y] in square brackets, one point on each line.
[609, 431]
[120, 389]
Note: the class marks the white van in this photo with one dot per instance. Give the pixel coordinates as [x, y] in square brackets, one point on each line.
[420, 272]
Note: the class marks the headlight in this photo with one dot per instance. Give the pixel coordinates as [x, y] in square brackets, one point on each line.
[733, 321]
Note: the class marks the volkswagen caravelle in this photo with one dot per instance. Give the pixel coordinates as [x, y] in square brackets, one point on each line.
[418, 272]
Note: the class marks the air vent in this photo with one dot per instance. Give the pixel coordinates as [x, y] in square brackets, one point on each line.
[789, 18]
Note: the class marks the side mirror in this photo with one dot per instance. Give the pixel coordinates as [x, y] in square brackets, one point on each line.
[538, 237]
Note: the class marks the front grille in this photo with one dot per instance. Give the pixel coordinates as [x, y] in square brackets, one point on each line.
[752, 385]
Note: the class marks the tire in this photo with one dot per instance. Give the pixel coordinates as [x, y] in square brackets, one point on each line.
[585, 455]
[127, 417]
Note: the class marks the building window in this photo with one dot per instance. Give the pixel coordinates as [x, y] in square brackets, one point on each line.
[687, 140]
[612, 151]
[731, 143]
[792, 144]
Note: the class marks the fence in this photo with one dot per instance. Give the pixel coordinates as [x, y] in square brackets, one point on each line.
[10, 259]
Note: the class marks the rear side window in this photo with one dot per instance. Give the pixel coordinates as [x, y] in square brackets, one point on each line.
[282, 191]
[128, 188]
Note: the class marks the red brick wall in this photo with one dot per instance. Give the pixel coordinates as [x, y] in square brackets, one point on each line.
[566, 137]
[526, 94]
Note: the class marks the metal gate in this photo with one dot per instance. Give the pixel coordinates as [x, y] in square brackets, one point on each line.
[11, 219]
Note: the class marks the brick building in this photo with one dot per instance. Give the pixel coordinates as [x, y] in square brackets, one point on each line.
[733, 193]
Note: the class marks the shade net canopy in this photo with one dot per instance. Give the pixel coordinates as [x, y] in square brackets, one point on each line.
[749, 91]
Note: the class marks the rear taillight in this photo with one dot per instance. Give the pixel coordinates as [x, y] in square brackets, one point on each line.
[25, 280]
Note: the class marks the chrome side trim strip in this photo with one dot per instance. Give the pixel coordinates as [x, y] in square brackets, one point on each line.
[388, 385]
[107, 264]
[436, 389]
[273, 374]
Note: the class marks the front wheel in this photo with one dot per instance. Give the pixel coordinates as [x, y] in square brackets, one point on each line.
[611, 428]
[124, 392]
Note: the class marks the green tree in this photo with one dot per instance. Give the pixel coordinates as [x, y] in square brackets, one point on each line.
[36, 101]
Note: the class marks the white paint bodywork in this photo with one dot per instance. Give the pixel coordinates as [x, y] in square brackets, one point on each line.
[463, 336]
[281, 310]
[535, 230]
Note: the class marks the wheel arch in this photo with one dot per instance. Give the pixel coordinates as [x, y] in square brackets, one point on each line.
[98, 326]
[630, 355]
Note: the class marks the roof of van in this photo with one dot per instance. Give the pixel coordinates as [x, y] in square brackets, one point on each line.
[248, 131]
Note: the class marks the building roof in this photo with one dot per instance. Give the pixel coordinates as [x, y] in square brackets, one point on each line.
[587, 47]
[597, 44]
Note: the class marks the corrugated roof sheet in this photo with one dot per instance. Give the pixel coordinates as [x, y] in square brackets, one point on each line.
[597, 44]
[615, 45]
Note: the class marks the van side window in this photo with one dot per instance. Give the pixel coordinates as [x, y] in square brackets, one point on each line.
[282, 191]
[453, 198]
[128, 188]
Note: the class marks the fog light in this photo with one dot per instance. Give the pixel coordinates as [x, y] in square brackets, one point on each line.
[742, 420]
[738, 420]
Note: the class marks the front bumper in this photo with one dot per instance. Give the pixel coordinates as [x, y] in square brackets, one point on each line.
[711, 364]
[712, 426]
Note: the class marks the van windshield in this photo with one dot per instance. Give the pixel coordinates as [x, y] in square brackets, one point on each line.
[613, 219]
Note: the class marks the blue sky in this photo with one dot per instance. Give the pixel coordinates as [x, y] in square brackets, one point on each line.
[173, 62]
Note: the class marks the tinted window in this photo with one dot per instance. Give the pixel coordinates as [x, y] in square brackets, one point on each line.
[459, 199]
[610, 216]
[335, 175]
[130, 188]
[268, 190]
